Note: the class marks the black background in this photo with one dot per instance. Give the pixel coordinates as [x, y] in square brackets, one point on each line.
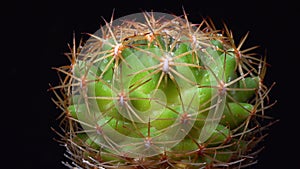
[34, 36]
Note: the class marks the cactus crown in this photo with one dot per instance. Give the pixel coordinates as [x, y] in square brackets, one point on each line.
[153, 90]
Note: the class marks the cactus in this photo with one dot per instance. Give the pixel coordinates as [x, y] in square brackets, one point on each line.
[153, 90]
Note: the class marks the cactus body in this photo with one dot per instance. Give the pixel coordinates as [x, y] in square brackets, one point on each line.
[161, 92]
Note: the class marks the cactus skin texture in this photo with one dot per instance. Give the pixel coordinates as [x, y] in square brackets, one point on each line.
[161, 92]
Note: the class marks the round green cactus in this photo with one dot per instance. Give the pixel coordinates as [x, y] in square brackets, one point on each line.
[153, 90]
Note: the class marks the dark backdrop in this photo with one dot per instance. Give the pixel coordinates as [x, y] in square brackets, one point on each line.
[34, 37]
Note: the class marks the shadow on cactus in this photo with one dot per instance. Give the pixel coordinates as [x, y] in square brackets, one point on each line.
[152, 90]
